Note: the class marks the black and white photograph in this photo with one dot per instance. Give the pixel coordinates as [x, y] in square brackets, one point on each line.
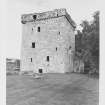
[52, 52]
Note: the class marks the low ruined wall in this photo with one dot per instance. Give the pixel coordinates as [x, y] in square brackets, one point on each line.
[78, 66]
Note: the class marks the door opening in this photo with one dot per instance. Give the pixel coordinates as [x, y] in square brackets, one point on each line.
[40, 71]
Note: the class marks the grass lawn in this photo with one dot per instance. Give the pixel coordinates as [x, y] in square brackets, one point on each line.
[53, 89]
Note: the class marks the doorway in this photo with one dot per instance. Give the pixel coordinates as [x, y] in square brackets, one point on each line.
[40, 71]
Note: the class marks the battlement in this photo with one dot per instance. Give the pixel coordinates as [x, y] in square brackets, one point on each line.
[46, 15]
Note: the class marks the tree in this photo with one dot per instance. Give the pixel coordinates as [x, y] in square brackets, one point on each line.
[87, 42]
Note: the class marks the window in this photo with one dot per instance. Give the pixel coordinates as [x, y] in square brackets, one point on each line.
[56, 48]
[33, 44]
[31, 59]
[69, 47]
[34, 17]
[38, 29]
[48, 58]
[59, 33]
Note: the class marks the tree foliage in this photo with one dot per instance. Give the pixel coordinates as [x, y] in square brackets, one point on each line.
[87, 42]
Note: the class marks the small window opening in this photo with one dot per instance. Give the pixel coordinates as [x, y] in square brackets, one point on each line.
[33, 44]
[31, 59]
[32, 29]
[34, 17]
[38, 29]
[56, 48]
[48, 58]
[69, 47]
[59, 33]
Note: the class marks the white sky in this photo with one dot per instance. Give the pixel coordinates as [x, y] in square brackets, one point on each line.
[78, 9]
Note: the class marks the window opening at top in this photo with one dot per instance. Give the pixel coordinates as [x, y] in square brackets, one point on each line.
[34, 17]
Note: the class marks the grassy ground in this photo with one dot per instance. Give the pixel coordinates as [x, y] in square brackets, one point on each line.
[53, 89]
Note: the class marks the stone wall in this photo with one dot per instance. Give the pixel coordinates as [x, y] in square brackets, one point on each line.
[78, 66]
[12, 64]
[55, 40]
[47, 15]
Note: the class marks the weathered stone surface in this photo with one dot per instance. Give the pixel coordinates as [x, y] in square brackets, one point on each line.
[56, 39]
[47, 15]
[12, 64]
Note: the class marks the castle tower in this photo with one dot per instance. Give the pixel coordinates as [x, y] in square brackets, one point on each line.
[48, 42]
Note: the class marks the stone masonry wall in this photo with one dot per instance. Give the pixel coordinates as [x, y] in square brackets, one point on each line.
[56, 39]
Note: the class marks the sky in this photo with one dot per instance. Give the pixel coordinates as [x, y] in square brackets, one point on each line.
[78, 9]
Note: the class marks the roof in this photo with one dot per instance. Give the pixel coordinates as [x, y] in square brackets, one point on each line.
[46, 15]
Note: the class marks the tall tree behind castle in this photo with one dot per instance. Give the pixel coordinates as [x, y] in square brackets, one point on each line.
[87, 42]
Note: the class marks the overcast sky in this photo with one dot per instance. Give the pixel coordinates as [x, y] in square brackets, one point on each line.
[78, 9]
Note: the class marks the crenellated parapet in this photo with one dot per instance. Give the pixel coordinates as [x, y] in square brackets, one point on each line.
[46, 15]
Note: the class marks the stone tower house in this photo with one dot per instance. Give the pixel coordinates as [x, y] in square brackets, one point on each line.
[48, 42]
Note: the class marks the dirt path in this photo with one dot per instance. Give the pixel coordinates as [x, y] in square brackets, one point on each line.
[54, 89]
